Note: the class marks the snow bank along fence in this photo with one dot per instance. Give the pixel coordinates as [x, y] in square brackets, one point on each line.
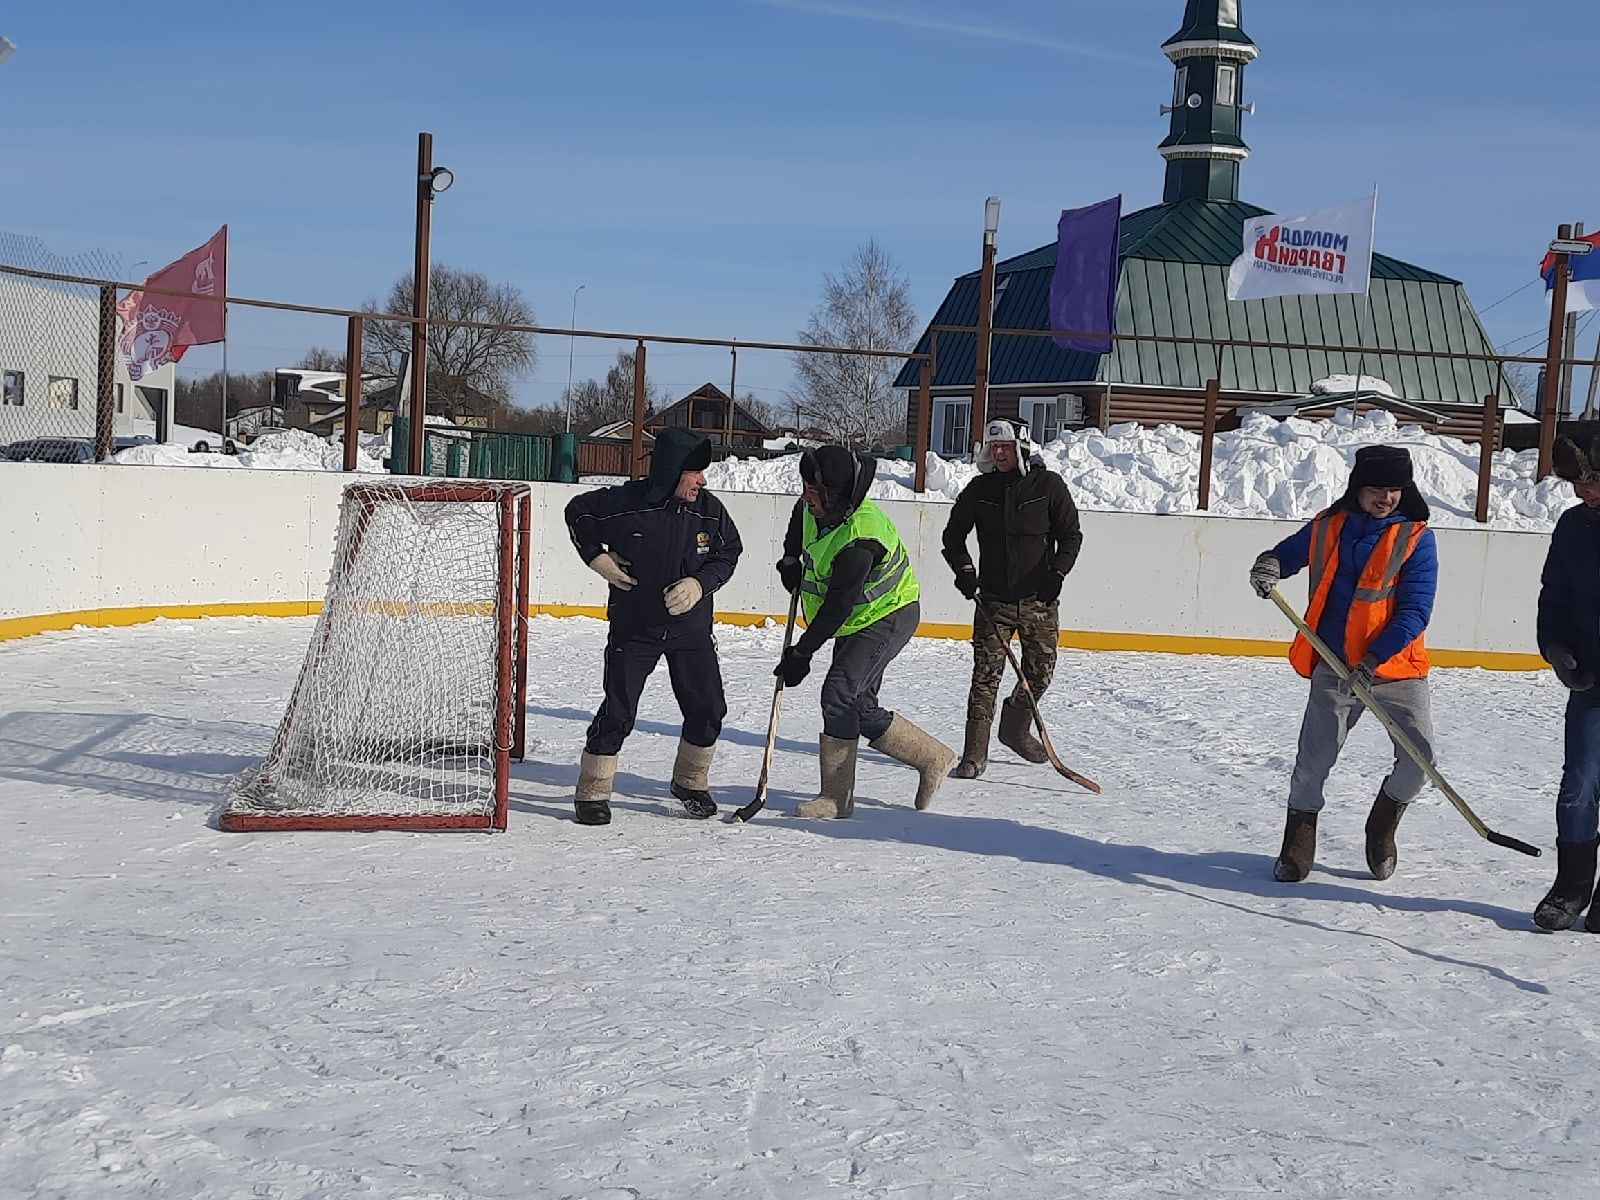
[121, 545]
[443, 456]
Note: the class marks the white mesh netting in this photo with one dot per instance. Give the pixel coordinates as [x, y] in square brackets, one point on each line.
[393, 720]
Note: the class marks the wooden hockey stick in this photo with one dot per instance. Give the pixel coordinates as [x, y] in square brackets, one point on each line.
[1336, 664]
[760, 802]
[1065, 771]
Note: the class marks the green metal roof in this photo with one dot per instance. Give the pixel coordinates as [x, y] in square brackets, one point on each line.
[1174, 260]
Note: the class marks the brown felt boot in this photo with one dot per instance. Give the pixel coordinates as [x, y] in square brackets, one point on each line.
[1299, 847]
[1382, 821]
[592, 799]
[1016, 730]
[930, 757]
[975, 753]
[836, 760]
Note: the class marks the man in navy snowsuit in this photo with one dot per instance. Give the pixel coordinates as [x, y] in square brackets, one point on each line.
[664, 545]
[1374, 570]
[1569, 640]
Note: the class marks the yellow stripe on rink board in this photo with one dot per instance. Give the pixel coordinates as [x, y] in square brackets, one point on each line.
[1075, 639]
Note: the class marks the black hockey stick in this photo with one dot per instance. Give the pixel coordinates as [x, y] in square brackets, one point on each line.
[1065, 771]
[760, 802]
[1336, 664]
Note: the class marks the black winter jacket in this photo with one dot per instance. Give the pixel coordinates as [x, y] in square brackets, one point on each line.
[1569, 592]
[1027, 528]
[662, 542]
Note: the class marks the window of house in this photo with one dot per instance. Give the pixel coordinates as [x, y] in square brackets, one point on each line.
[952, 428]
[1227, 84]
[1041, 415]
[1180, 87]
[12, 391]
[63, 392]
[1228, 14]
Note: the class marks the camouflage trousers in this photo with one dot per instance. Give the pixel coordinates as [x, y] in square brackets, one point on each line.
[1036, 625]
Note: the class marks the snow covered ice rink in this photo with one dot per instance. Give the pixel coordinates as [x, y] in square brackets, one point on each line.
[1027, 991]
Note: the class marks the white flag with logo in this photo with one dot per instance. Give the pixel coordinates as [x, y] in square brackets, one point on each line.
[1291, 255]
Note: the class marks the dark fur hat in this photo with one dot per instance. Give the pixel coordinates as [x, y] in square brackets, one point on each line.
[1575, 463]
[1385, 466]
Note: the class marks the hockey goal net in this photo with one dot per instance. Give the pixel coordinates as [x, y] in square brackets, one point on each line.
[409, 705]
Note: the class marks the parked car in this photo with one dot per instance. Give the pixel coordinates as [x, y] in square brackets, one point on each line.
[59, 449]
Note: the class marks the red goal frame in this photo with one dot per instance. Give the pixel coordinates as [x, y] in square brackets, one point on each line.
[514, 517]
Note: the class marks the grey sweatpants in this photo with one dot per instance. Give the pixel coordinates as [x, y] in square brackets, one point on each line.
[850, 707]
[1330, 715]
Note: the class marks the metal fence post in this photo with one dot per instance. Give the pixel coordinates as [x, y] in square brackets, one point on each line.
[1208, 438]
[105, 409]
[1486, 447]
[919, 475]
[1554, 347]
[352, 391]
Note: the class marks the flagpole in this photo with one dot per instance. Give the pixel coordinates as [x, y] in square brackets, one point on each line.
[1361, 357]
[223, 432]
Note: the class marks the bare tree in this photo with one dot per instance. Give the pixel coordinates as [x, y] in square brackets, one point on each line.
[320, 358]
[469, 369]
[595, 403]
[866, 306]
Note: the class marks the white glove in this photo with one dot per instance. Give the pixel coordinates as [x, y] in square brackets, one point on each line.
[613, 568]
[1264, 575]
[683, 595]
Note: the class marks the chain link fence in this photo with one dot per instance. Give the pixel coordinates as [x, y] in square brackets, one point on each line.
[50, 352]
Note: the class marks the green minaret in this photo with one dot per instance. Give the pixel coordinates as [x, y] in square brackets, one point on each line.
[1204, 149]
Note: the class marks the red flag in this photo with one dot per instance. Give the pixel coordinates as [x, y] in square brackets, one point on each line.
[157, 329]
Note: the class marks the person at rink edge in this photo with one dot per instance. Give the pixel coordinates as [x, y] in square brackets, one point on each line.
[663, 544]
[1028, 541]
[1569, 640]
[1374, 568]
[845, 557]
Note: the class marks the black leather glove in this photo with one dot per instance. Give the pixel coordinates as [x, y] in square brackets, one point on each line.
[1565, 664]
[1050, 589]
[1363, 673]
[791, 572]
[967, 582]
[793, 667]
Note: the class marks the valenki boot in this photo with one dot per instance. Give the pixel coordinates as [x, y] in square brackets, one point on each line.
[1016, 730]
[836, 760]
[975, 752]
[1572, 890]
[592, 799]
[691, 775]
[930, 757]
[1382, 821]
[1299, 847]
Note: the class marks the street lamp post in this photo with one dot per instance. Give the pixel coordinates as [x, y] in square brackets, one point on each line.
[1564, 247]
[571, 338]
[980, 375]
[431, 180]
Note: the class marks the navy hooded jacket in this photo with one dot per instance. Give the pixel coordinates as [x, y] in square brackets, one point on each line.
[1569, 592]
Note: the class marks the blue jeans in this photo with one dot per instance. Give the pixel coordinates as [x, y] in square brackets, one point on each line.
[1578, 801]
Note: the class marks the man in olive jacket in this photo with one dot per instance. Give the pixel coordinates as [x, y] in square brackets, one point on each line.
[1028, 541]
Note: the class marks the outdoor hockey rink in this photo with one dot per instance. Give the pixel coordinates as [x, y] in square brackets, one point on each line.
[1027, 991]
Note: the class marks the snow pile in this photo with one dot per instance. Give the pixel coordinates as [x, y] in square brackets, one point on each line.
[1343, 385]
[1289, 469]
[277, 450]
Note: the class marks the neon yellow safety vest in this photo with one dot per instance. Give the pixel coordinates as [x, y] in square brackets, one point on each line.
[891, 584]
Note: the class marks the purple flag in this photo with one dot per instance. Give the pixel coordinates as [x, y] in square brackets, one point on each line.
[1083, 292]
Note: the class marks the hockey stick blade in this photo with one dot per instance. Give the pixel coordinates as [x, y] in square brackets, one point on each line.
[1511, 843]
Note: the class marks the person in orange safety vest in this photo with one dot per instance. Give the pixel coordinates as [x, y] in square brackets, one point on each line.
[1374, 569]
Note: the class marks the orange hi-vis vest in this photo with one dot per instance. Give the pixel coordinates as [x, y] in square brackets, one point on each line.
[1373, 605]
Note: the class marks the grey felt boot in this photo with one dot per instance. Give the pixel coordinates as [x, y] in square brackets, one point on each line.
[975, 752]
[1299, 847]
[1382, 821]
[836, 760]
[593, 797]
[691, 777]
[1016, 730]
[930, 757]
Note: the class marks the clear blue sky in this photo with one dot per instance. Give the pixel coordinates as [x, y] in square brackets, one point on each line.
[699, 165]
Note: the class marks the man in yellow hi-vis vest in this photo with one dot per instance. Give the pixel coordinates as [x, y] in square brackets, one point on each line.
[854, 576]
[1374, 569]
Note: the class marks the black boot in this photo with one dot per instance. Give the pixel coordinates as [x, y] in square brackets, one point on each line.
[592, 812]
[1573, 887]
[1382, 821]
[1299, 847]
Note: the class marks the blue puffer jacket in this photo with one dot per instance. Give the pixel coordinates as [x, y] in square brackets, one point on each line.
[1358, 537]
[1569, 592]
